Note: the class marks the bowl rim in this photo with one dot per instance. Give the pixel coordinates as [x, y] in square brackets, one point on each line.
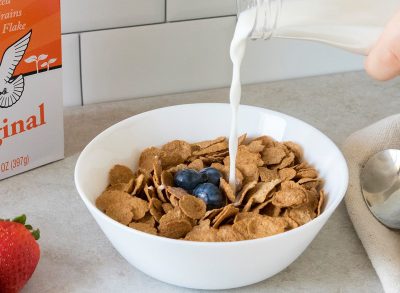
[324, 215]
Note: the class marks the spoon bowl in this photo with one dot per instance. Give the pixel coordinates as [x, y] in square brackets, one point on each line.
[380, 185]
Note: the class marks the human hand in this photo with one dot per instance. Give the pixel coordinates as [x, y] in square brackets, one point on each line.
[383, 62]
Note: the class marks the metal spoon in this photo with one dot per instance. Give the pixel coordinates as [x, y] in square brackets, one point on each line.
[380, 184]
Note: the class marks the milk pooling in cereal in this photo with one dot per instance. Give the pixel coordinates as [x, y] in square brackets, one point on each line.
[243, 29]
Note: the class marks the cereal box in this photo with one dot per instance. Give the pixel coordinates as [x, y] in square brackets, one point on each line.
[31, 111]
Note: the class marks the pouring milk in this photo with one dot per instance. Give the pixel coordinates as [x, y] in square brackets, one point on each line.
[238, 48]
[351, 25]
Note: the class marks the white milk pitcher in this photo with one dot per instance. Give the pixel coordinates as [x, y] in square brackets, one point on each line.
[353, 25]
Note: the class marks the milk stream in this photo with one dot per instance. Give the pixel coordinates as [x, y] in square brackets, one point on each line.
[243, 29]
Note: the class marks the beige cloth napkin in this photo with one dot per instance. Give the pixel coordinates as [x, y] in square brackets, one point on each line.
[382, 245]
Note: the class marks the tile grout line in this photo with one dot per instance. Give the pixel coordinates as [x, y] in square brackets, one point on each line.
[165, 11]
[80, 66]
[148, 24]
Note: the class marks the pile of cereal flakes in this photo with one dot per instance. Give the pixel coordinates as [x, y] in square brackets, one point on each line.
[277, 191]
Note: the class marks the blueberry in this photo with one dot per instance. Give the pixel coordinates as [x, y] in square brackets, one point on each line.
[210, 194]
[213, 175]
[188, 179]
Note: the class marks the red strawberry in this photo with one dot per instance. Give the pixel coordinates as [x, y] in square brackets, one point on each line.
[19, 254]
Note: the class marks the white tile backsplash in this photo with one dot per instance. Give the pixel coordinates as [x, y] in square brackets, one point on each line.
[277, 59]
[71, 70]
[128, 50]
[192, 55]
[153, 60]
[86, 15]
[192, 9]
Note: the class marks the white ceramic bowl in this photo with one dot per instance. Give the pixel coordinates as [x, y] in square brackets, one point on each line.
[195, 264]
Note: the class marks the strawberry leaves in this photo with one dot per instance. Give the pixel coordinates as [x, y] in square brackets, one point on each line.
[36, 234]
[22, 220]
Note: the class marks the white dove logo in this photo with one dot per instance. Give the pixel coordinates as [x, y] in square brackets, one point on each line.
[11, 89]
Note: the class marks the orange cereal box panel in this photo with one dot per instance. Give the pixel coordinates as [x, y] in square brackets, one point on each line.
[42, 17]
[31, 110]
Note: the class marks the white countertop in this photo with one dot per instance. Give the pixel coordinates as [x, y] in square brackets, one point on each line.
[77, 257]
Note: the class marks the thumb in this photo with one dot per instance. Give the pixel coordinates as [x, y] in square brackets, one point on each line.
[383, 62]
